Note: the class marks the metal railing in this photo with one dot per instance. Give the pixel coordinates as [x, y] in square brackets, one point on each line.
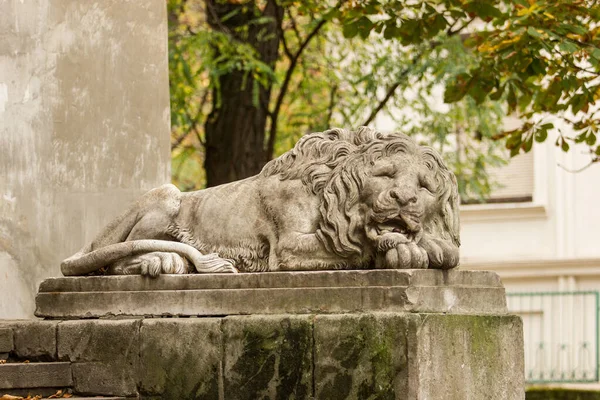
[561, 333]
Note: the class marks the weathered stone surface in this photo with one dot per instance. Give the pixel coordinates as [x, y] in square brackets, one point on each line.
[104, 353]
[384, 355]
[180, 358]
[268, 357]
[84, 128]
[35, 375]
[34, 339]
[462, 357]
[455, 291]
[361, 356]
[6, 340]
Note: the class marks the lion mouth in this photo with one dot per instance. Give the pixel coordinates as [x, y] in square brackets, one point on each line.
[407, 227]
[396, 226]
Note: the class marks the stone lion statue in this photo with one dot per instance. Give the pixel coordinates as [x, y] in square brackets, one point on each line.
[339, 199]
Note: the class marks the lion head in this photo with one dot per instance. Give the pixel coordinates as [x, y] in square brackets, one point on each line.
[379, 193]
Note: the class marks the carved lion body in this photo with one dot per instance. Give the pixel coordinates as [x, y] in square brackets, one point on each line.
[338, 200]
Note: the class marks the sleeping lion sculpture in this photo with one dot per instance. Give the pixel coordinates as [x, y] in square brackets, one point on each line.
[340, 199]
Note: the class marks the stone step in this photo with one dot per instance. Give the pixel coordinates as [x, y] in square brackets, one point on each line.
[35, 375]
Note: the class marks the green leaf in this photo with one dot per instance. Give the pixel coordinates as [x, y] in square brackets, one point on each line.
[538, 66]
[531, 31]
[548, 125]
[564, 146]
[483, 10]
[541, 135]
[580, 138]
[364, 27]
[568, 47]
[514, 141]
[511, 99]
[350, 30]
[498, 93]
[439, 23]
[578, 102]
[458, 89]
[597, 151]
[595, 53]
[591, 139]
[391, 30]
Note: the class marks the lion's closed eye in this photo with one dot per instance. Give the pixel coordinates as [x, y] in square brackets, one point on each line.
[428, 183]
[385, 170]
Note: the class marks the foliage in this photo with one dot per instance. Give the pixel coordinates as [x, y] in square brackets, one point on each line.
[347, 63]
[538, 57]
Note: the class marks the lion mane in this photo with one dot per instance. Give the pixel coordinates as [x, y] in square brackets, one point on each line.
[331, 165]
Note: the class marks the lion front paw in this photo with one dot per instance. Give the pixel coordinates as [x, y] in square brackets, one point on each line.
[405, 256]
[442, 254]
[388, 241]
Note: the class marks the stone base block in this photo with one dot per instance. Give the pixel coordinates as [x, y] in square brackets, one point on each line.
[467, 292]
[406, 356]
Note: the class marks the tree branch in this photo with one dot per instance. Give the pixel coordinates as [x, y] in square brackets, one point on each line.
[294, 25]
[390, 93]
[193, 123]
[387, 97]
[451, 32]
[331, 104]
[286, 83]
[586, 166]
[281, 34]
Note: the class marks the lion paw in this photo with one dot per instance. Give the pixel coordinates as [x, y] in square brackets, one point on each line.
[156, 263]
[405, 256]
[442, 254]
[391, 240]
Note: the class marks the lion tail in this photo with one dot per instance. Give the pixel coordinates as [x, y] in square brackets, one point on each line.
[83, 263]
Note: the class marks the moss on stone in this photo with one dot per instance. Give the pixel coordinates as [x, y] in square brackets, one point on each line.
[269, 357]
[360, 356]
[180, 359]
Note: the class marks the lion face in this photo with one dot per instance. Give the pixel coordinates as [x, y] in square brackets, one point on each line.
[382, 197]
[397, 198]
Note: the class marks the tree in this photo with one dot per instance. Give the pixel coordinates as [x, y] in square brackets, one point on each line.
[248, 66]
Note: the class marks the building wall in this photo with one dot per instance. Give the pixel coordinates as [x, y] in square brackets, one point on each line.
[554, 236]
[84, 128]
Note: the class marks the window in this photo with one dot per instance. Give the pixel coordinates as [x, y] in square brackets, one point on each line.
[515, 180]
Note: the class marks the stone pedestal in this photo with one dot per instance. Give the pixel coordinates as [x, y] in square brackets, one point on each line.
[380, 334]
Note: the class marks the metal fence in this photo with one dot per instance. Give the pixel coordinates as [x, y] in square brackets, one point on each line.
[561, 335]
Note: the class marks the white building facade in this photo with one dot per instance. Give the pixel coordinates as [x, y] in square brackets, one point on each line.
[546, 249]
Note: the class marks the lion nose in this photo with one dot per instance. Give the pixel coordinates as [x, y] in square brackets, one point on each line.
[404, 196]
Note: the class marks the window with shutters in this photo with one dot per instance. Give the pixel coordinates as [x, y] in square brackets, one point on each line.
[514, 180]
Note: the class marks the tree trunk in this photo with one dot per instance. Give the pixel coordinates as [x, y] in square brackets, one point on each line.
[235, 129]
